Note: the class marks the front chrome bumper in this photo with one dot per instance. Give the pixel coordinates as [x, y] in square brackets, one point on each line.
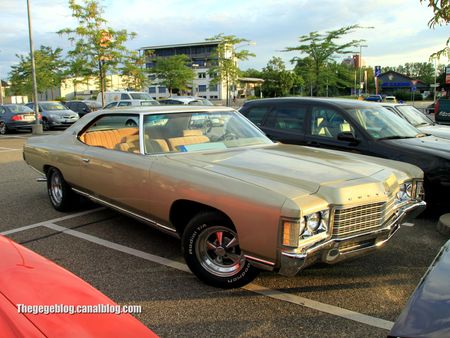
[338, 249]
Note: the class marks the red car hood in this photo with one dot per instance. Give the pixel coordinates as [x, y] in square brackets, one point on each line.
[30, 279]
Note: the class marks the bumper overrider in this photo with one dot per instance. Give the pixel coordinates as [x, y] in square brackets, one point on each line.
[334, 250]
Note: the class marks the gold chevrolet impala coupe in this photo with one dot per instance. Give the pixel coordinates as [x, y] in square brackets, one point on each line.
[238, 201]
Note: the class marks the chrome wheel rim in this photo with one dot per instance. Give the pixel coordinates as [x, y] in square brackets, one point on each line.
[2, 128]
[217, 250]
[56, 188]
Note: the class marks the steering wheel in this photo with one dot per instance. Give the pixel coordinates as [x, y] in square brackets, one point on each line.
[228, 137]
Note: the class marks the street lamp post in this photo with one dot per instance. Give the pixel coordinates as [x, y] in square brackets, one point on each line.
[37, 127]
[360, 67]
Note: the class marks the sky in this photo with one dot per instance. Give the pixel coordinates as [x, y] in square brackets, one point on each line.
[400, 30]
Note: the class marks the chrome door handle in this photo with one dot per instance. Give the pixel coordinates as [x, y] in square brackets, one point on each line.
[85, 160]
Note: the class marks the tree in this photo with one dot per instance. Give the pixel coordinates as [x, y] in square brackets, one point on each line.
[133, 72]
[173, 72]
[251, 72]
[321, 49]
[49, 71]
[441, 17]
[277, 80]
[423, 71]
[102, 47]
[224, 64]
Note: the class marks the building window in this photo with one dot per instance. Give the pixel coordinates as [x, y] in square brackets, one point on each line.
[202, 75]
[152, 77]
[202, 88]
[213, 87]
[162, 90]
[152, 90]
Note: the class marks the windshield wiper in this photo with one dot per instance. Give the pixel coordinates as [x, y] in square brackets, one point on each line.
[423, 124]
[422, 135]
[394, 137]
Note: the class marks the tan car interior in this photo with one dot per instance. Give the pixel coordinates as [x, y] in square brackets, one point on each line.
[127, 139]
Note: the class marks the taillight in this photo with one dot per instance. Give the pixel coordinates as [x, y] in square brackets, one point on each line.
[436, 107]
[17, 118]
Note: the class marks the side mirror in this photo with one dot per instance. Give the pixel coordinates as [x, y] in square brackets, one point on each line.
[347, 136]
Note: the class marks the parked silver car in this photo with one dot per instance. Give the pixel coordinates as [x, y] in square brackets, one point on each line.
[418, 119]
[55, 114]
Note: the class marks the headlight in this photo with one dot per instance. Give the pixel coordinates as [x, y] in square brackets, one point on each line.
[54, 116]
[405, 192]
[410, 190]
[308, 226]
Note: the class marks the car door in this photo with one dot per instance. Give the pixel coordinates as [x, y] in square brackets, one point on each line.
[286, 123]
[330, 128]
[110, 171]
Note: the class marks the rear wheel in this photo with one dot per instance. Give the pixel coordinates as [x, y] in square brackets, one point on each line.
[211, 249]
[61, 195]
[3, 129]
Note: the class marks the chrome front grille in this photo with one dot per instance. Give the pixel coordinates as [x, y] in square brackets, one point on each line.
[361, 219]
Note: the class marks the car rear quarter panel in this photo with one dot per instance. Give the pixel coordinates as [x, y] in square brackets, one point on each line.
[59, 151]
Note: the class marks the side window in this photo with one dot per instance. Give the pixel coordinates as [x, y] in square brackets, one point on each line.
[114, 132]
[124, 97]
[2, 110]
[288, 117]
[257, 114]
[328, 123]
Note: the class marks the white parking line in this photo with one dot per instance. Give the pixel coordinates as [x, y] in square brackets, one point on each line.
[59, 219]
[312, 304]
[274, 294]
[119, 247]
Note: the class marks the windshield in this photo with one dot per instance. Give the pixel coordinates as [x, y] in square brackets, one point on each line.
[140, 96]
[199, 131]
[150, 103]
[414, 116]
[52, 106]
[380, 123]
[200, 102]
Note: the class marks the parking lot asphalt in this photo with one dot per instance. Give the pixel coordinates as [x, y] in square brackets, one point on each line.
[135, 264]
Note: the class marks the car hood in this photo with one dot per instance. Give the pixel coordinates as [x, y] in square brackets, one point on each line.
[429, 144]
[437, 130]
[60, 112]
[293, 170]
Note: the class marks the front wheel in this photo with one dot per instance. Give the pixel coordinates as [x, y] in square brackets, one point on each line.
[61, 195]
[211, 249]
[3, 129]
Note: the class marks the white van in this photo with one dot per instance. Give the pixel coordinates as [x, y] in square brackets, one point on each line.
[123, 95]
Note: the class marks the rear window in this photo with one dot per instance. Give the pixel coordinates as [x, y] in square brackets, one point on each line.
[16, 108]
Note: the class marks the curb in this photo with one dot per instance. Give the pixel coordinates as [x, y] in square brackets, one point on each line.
[443, 225]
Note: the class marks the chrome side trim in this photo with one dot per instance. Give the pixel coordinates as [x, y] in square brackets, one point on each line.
[259, 260]
[125, 211]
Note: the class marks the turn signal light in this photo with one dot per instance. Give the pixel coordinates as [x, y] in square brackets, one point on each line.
[291, 232]
[17, 118]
